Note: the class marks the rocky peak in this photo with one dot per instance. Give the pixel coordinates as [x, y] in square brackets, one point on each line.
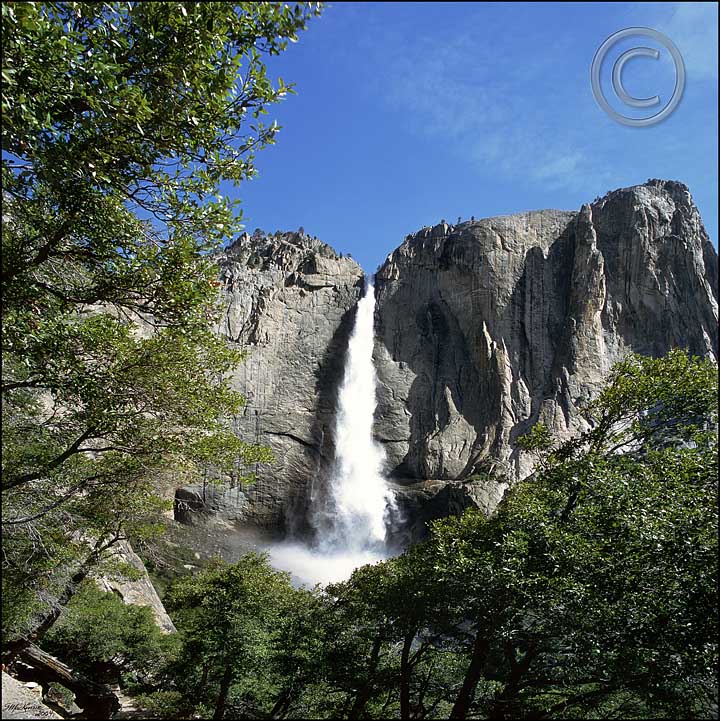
[489, 326]
[280, 249]
[258, 263]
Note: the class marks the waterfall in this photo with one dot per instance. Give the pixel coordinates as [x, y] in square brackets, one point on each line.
[355, 512]
[351, 511]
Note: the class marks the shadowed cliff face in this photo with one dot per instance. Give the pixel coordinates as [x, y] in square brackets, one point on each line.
[483, 329]
[490, 326]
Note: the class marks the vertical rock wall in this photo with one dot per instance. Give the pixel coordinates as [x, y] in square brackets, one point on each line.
[290, 301]
[490, 326]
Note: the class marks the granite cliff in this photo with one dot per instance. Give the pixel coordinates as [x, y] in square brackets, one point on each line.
[518, 319]
[483, 329]
[289, 304]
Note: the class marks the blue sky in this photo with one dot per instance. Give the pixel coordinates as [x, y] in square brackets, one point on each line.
[411, 112]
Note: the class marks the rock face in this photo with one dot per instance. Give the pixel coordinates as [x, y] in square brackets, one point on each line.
[483, 329]
[490, 326]
[22, 702]
[290, 303]
[138, 591]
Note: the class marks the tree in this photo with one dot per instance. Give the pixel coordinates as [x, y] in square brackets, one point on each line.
[593, 588]
[98, 632]
[241, 652]
[387, 648]
[120, 121]
[591, 592]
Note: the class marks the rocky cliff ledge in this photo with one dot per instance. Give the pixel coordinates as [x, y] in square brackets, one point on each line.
[487, 327]
[290, 302]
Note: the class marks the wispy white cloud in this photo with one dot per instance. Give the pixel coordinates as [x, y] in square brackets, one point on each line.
[693, 27]
[514, 95]
[488, 106]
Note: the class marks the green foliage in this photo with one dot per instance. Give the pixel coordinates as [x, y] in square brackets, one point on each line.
[163, 704]
[387, 652]
[654, 401]
[168, 556]
[247, 638]
[537, 439]
[150, 103]
[20, 606]
[590, 593]
[100, 633]
[120, 121]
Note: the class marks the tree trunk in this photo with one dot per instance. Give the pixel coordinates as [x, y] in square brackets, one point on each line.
[95, 699]
[15, 647]
[282, 703]
[67, 593]
[46, 622]
[472, 676]
[502, 706]
[222, 697]
[405, 674]
[363, 695]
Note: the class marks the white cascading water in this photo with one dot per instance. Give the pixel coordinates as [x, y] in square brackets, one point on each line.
[360, 500]
[351, 519]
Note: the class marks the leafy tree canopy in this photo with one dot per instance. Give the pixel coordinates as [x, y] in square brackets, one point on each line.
[248, 639]
[120, 121]
[592, 590]
[101, 633]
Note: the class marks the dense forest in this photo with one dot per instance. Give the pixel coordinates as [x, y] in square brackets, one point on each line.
[590, 593]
